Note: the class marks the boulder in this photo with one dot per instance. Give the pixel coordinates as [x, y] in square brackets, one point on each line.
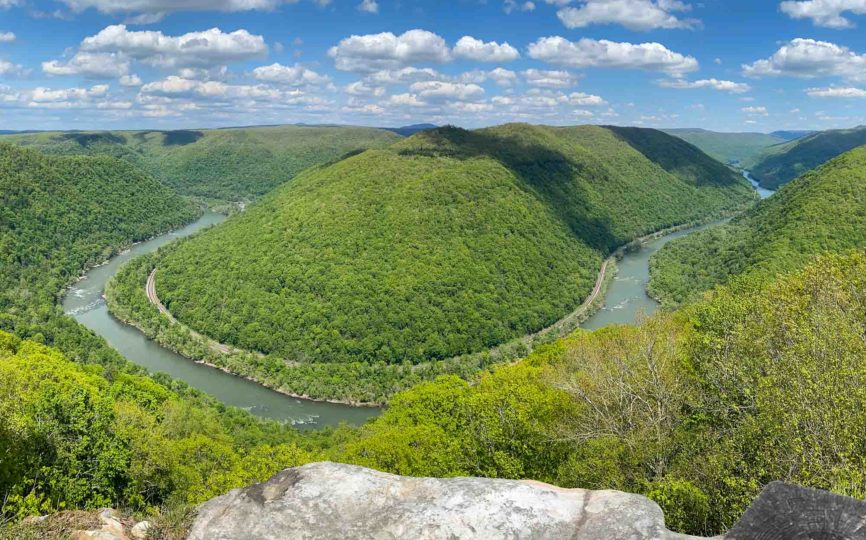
[329, 500]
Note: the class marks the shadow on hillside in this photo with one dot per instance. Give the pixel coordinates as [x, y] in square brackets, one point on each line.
[676, 156]
[545, 172]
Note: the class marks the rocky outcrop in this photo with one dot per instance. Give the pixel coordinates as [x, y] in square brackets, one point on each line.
[330, 500]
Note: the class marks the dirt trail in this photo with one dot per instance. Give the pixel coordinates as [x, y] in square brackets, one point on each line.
[154, 299]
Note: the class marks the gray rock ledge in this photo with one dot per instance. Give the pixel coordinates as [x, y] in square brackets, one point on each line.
[333, 501]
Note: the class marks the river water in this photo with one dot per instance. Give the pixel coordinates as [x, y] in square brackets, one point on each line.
[84, 302]
[625, 302]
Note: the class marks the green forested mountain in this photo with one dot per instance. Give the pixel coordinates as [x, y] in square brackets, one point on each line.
[821, 211]
[226, 164]
[443, 244]
[780, 164]
[61, 214]
[730, 148]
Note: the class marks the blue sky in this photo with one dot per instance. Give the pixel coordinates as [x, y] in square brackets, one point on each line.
[728, 65]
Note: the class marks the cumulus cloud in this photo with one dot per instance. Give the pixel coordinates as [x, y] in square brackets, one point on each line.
[194, 49]
[362, 88]
[502, 76]
[715, 84]
[374, 52]
[369, 6]
[810, 58]
[296, 75]
[90, 65]
[474, 49]
[8, 68]
[827, 13]
[837, 92]
[639, 15]
[611, 54]
[755, 111]
[404, 75]
[7, 37]
[130, 80]
[441, 90]
[549, 79]
[513, 5]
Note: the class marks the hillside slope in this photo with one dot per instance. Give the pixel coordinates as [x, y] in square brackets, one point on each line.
[820, 211]
[730, 148]
[783, 163]
[446, 243]
[225, 164]
[61, 214]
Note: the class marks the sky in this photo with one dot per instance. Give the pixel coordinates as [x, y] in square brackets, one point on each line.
[725, 65]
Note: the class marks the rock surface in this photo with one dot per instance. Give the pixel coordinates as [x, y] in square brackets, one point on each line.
[330, 500]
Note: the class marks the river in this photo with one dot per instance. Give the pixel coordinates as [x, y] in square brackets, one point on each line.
[625, 301]
[85, 303]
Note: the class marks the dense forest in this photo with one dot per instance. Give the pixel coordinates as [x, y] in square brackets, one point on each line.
[232, 165]
[731, 148]
[780, 164]
[697, 410]
[820, 211]
[445, 244]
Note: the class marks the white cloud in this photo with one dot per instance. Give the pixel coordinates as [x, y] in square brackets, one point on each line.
[491, 51]
[368, 6]
[837, 92]
[130, 80]
[404, 76]
[755, 111]
[513, 5]
[90, 65]
[810, 58]
[549, 79]
[8, 68]
[611, 54]
[503, 77]
[441, 90]
[826, 13]
[361, 88]
[715, 84]
[296, 75]
[7, 37]
[194, 49]
[374, 52]
[6, 4]
[639, 15]
[155, 9]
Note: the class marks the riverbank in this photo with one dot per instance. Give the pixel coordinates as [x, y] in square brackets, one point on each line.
[355, 384]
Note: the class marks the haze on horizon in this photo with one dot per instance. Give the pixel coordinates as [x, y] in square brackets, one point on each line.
[148, 64]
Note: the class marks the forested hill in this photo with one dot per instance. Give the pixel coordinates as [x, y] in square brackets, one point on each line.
[60, 214]
[445, 243]
[820, 211]
[224, 164]
[731, 148]
[780, 164]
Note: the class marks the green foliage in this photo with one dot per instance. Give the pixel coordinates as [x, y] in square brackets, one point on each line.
[223, 164]
[731, 148]
[782, 163]
[697, 410]
[74, 438]
[821, 211]
[445, 244]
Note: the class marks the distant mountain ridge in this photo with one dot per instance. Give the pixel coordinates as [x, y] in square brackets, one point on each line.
[791, 135]
[782, 163]
[408, 131]
[820, 211]
[729, 148]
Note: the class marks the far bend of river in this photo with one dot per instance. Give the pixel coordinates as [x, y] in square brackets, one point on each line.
[85, 303]
[626, 299]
